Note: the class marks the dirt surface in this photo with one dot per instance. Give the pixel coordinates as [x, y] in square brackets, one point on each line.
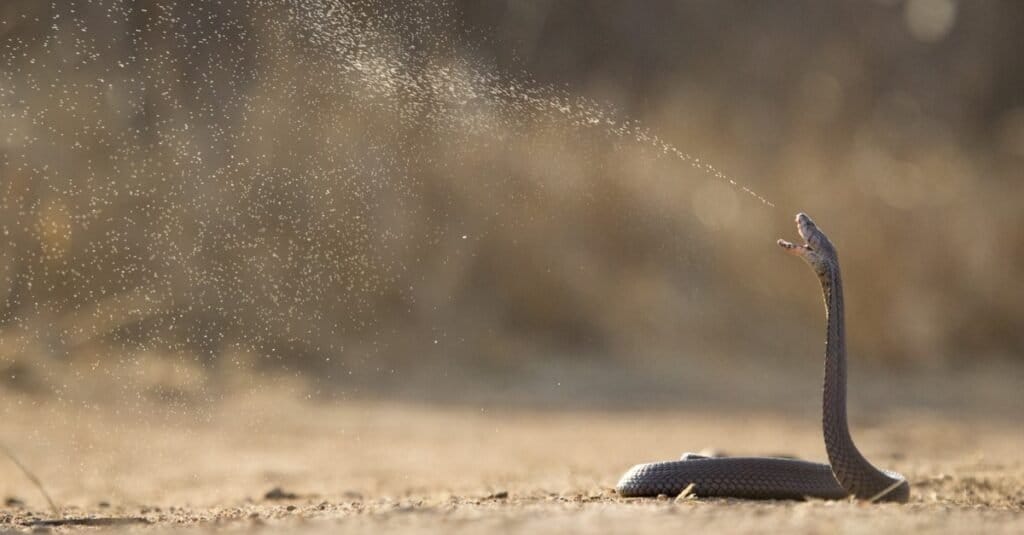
[272, 460]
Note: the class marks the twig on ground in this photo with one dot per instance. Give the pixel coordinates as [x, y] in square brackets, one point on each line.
[102, 521]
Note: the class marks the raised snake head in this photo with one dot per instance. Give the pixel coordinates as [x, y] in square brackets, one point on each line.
[817, 251]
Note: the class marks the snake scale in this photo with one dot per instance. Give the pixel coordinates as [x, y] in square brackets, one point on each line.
[848, 472]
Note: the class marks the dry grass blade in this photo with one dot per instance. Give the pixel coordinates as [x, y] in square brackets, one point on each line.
[885, 491]
[686, 495]
[31, 477]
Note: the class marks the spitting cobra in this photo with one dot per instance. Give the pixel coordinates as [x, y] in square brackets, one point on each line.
[848, 472]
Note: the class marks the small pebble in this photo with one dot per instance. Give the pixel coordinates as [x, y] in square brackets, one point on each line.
[277, 493]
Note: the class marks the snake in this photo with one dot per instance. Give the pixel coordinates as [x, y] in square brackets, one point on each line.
[847, 473]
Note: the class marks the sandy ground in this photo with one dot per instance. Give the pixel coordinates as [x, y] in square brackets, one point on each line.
[411, 466]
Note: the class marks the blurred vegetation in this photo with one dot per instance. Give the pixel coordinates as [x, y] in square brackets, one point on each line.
[370, 185]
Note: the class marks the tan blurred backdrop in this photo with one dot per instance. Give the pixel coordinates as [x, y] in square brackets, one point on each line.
[365, 189]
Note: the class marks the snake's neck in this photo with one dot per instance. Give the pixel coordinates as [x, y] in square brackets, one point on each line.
[853, 471]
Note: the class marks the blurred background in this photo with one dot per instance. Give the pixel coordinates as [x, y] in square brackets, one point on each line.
[369, 195]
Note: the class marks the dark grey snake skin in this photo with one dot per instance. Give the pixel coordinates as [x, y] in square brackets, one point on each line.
[848, 472]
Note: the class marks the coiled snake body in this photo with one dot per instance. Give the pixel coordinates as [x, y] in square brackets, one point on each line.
[848, 472]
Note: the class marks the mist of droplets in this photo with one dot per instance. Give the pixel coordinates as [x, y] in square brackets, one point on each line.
[215, 179]
[448, 92]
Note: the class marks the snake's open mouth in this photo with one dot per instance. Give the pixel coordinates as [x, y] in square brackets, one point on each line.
[805, 227]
